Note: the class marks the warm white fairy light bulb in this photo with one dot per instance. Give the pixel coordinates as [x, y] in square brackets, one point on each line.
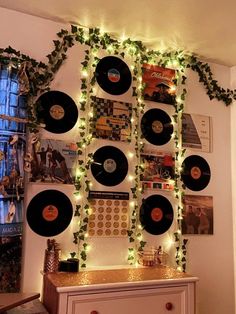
[110, 49]
[130, 154]
[178, 99]
[142, 166]
[83, 97]
[130, 177]
[123, 37]
[90, 211]
[132, 204]
[172, 89]
[82, 122]
[88, 247]
[86, 37]
[175, 63]
[78, 196]
[78, 173]
[94, 52]
[84, 73]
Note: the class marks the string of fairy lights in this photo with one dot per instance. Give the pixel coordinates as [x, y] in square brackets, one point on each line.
[97, 42]
[37, 79]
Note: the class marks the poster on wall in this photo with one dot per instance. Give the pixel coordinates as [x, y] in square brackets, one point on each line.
[159, 84]
[197, 214]
[51, 161]
[110, 214]
[112, 119]
[158, 171]
[197, 132]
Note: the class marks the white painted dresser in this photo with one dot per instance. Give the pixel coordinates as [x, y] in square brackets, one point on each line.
[150, 290]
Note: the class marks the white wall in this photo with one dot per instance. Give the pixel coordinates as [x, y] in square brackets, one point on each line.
[210, 257]
[233, 156]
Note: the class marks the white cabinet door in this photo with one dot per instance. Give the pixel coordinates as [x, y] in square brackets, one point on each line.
[171, 300]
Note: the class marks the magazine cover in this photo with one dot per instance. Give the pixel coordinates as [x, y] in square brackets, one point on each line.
[12, 150]
[197, 132]
[51, 161]
[159, 85]
[11, 219]
[197, 214]
[158, 171]
[112, 119]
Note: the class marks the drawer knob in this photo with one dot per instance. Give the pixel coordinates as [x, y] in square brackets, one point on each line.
[169, 306]
[94, 312]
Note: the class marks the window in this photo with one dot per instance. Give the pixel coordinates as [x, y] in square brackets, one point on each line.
[11, 104]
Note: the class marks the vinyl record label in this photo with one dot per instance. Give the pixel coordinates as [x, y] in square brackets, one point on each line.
[113, 75]
[49, 213]
[196, 173]
[156, 214]
[109, 166]
[57, 111]
[156, 126]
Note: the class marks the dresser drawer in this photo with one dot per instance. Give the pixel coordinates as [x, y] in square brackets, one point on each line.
[171, 300]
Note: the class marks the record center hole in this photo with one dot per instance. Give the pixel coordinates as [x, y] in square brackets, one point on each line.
[113, 75]
[156, 214]
[50, 213]
[157, 126]
[195, 172]
[57, 112]
[109, 165]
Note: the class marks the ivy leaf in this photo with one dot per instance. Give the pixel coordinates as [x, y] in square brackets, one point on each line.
[131, 257]
[74, 29]
[83, 255]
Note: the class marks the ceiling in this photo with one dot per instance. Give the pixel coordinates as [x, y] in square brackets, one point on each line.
[204, 27]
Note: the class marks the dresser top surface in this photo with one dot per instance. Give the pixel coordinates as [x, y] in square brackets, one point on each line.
[118, 276]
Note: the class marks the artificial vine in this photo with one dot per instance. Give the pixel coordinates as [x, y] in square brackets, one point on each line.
[135, 231]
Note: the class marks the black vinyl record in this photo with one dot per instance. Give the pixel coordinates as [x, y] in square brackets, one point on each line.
[110, 166]
[156, 214]
[49, 213]
[156, 126]
[196, 173]
[57, 111]
[113, 75]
